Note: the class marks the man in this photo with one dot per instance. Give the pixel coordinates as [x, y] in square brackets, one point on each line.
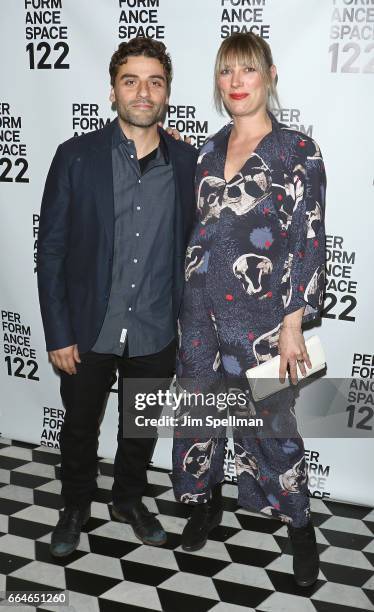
[115, 219]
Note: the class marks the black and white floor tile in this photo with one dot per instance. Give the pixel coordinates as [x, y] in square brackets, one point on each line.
[246, 564]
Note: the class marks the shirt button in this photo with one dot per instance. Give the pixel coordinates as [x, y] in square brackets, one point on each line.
[139, 181]
[130, 308]
[137, 234]
[133, 285]
[132, 157]
[138, 208]
[135, 261]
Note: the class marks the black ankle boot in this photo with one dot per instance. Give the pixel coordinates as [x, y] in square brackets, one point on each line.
[204, 518]
[305, 554]
[65, 536]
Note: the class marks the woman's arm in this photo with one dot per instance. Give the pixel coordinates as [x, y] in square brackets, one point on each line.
[307, 262]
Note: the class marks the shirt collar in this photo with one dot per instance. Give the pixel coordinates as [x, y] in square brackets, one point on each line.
[119, 138]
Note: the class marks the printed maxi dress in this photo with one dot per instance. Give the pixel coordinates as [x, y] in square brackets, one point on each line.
[256, 254]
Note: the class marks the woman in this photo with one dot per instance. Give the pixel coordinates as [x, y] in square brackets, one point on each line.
[254, 274]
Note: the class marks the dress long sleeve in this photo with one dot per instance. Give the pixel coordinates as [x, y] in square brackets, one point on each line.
[304, 270]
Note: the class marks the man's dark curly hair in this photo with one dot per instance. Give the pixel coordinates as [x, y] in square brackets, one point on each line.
[149, 47]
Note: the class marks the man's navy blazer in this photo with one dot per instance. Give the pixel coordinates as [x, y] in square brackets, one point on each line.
[76, 235]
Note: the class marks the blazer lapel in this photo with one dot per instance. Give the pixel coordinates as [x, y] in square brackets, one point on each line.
[103, 179]
[179, 213]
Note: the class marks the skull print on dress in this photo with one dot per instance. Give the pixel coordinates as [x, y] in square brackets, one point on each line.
[241, 194]
[198, 458]
[314, 219]
[276, 514]
[286, 285]
[189, 498]
[266, 346]
[194, 260]
[249, 269]
[316, 285]
[293, 478]
[245, 462]
[290, 194]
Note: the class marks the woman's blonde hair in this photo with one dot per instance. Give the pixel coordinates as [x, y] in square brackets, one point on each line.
[247, 49]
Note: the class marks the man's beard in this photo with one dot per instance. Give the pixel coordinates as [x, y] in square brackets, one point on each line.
[143, 120]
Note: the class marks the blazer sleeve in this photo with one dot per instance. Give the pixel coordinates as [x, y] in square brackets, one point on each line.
[304, 270]
[53, 237]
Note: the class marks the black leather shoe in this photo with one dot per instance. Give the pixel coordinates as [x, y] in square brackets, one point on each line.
[66, 535]
[203, 519]
[145, 525]
[305, 554]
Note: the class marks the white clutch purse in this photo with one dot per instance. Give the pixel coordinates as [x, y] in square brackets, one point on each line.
[264, 379]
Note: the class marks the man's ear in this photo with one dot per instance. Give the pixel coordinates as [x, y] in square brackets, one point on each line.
[112, 96]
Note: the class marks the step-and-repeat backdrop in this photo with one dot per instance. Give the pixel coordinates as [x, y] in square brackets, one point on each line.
[55, 84]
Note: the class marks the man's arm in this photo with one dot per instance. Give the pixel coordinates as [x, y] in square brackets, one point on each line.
[53, 237]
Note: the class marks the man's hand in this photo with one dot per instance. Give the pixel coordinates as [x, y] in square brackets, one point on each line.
[65, 359]
[292, 350]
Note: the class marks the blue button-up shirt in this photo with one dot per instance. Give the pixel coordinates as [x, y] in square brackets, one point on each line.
[140, 304]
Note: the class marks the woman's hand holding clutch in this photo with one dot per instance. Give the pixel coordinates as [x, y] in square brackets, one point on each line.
[292, 351]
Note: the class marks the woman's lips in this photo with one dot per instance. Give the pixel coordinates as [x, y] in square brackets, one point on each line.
[237, 96]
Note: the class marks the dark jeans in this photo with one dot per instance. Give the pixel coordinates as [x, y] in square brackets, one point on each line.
[84, 395]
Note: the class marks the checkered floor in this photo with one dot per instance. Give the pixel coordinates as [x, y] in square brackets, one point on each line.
[246, 565]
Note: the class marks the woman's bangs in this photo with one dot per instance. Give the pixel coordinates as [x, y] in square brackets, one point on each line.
[242, 54]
